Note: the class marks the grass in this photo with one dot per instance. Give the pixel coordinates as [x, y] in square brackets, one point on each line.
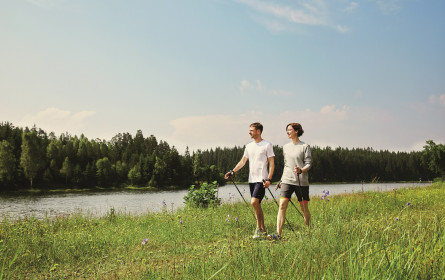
[371, 235]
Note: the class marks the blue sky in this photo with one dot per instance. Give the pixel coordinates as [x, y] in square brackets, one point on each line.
[196, 73]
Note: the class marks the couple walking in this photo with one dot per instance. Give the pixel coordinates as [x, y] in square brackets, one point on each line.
[297, 162]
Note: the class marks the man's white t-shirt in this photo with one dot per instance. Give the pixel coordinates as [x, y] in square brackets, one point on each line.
[258, 155]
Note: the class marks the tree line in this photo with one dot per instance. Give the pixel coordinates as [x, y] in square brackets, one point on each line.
[341, 164]
[33, 158]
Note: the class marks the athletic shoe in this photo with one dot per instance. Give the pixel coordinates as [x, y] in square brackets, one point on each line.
[274, 237]
[258, 233]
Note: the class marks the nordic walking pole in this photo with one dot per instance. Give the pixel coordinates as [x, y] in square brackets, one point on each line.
[296, 208]
[299, 184]
[231, 178]
[287, 221]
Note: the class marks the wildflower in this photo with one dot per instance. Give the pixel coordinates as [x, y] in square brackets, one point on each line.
[145, 241]
[324, 191]
[322, 197]
[328, 199]
[397, 219]
[228, 216]
[227, 220]
[236, 218]
[181, 222]
[408, 204]
[327, 192]
[164, 204]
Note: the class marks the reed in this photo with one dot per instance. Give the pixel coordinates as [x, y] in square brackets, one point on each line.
[370, 235]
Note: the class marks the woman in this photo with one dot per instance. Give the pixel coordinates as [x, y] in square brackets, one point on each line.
[297, 162]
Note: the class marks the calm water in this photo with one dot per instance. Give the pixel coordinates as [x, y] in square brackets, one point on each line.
[136, 202]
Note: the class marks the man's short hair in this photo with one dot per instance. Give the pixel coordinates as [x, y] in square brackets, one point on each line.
[257, 125]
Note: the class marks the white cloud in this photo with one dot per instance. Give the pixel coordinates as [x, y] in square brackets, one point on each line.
[212, 130]
[244, 85]
[57, 120]
[388, 6]
[278, 17]
[342, 29]
[437, 100]
[353, 6]
[229, 130]
[342, 126]
[310, 13]
[257, 87]
[330, 110]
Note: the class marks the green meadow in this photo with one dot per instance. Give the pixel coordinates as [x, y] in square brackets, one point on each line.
[372, 235]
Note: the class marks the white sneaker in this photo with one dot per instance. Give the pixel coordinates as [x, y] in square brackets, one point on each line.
[258, 233]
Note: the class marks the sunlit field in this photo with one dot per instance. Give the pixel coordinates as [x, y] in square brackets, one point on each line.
[372, 235]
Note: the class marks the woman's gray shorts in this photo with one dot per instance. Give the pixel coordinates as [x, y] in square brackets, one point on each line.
[302, 192]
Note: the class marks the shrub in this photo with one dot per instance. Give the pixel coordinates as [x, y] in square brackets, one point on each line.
[203, 197]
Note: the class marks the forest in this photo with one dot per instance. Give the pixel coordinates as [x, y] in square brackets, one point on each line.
[33, 158]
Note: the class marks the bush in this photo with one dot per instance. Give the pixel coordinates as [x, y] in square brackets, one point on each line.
[203, 197]
[439, 179]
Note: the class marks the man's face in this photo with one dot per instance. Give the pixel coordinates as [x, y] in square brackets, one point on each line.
[254, 133]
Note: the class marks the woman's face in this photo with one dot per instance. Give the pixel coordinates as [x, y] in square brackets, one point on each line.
[291, 133]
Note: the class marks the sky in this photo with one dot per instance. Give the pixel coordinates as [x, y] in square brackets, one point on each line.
[197, 73]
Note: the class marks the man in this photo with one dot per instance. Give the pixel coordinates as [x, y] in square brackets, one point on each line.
[260, 154]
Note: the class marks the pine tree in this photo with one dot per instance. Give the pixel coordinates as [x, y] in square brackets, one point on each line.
[7, 162]
[32, 158]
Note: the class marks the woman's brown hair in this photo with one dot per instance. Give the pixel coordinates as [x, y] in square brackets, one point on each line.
[297, 127]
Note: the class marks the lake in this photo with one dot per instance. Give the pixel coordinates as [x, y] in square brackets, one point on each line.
[137, 202]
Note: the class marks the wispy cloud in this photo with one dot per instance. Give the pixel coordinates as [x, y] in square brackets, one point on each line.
[310, 13]
[256, 87]
[272, 25]
[437, 100]
[58, 121]
[331, 125]
[277, 17]
[245, 85]
[332, 111]
[389, 6]
[212, 130]
[342, 29]
[229, 130]
[353, 6]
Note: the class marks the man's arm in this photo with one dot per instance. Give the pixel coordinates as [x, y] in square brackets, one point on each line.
[238, 166]
[271, 169]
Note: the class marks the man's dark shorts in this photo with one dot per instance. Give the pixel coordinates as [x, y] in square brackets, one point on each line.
[301, 192]
[257, 190]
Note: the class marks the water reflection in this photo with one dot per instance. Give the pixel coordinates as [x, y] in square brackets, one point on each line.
[137, 202]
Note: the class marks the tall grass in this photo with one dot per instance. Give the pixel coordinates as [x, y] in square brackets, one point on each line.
[371, 235]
